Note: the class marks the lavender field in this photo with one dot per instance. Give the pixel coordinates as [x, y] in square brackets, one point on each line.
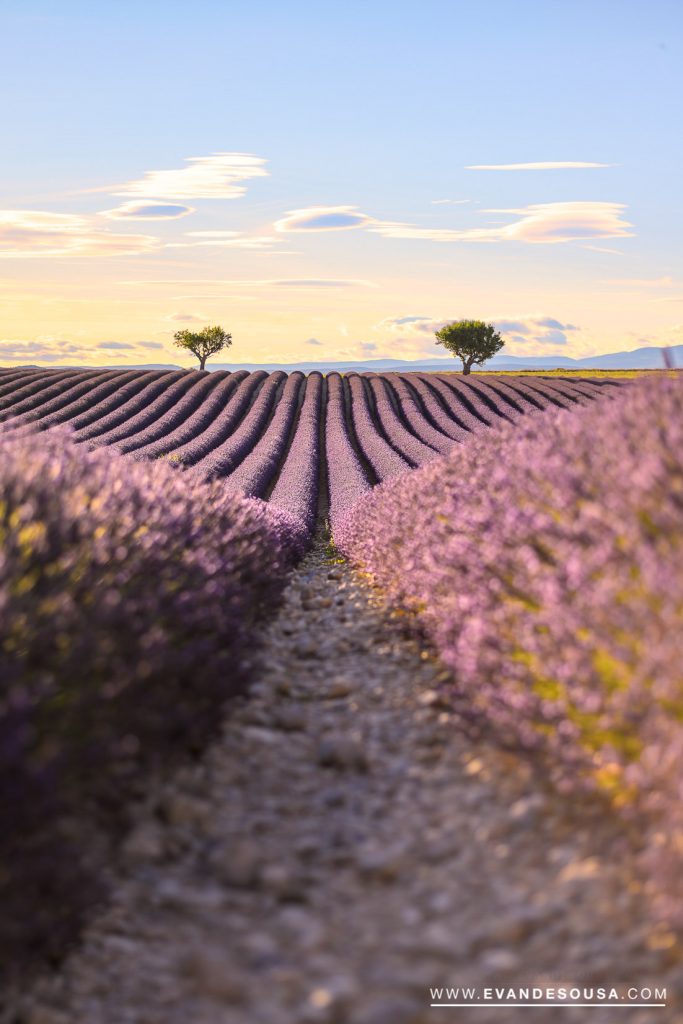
[276, 437]
[528, 530]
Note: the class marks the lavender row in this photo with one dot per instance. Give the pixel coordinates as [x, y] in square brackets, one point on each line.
[576, 391]
[176, 386]
[295, 492]
[13, 379]
[497, 402]
[413, 450]
[22, 378]
[22, 398]
[27, 396]
[103, 401]
[219, 429]
[469, 399]
[550, 395]
[516, 400]
[163, 426]
[585, 387]
[258, 468]
[189, 439]
[544, 562]
[129, 593]
[75, 394]
[541, 391]
[434, 410]
[79, 406]
[415, 416]
[463, 413]
[346, 478]
[223, 459]
[153, 386]
[384, 460]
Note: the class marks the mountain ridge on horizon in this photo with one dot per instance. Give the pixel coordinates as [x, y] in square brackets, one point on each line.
[644, 358]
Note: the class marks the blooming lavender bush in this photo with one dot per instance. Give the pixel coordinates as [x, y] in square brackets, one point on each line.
[545, 562]
[128, 594]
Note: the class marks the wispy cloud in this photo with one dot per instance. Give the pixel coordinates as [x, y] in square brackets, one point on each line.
[59, 350]
[450, 202]
[224, 240]
[312, 341]
[45, 349]
[392, 322]
[301, 282]
[34, 233]
[407, 337]
[138, 209]
[602, 248]
[218, 176]
[187, 318]
[545, 223]
[542, 165]
[360, 350]
[323, 218]
[646, 284]
[295, 282]
[537, 328]
[214, 296]
[643, 282]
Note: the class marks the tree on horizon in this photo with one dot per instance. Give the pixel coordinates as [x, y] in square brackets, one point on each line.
[473, 341]
[204, 343]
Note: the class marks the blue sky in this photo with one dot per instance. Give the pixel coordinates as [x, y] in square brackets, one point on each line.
[364, 120]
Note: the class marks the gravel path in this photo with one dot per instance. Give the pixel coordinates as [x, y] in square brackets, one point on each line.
[345, 847]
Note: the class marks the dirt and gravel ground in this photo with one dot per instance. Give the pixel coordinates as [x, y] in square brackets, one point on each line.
[345, 847]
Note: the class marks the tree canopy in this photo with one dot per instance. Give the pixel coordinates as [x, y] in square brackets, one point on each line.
[204, 343]
[473, 341]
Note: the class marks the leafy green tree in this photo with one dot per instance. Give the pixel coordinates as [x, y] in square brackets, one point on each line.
[204, 343]
[473, 341]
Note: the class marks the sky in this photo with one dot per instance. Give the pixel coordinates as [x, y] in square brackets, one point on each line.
[335, 181]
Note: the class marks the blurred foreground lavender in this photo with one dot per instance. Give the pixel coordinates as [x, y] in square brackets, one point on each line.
[128, 594]
[545, 561]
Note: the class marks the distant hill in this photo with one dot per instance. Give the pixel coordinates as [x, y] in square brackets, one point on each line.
[638, 359]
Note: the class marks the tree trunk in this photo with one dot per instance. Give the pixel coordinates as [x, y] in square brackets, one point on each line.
[202, 362]
[466, 366]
